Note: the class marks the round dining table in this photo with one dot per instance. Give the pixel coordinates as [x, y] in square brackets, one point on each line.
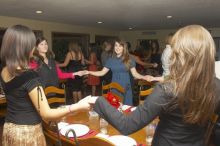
[93, 123]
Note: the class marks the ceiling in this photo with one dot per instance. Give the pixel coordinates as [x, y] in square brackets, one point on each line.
[118, 14]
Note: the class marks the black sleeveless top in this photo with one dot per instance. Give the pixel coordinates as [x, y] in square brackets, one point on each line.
[20, 109]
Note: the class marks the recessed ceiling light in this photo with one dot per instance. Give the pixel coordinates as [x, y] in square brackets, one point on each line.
[169, 17]
[130, 28]
[99, 22]
[39, 12]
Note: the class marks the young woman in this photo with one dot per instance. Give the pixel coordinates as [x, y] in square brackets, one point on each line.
[106, 54]
[43, 62]
[26, 101]
[185, 103]
[165, 59]
[120, 65]
[74, 61]
[93, 81]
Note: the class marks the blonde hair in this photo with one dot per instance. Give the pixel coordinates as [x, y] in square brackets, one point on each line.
[73, 46]
[192, 73]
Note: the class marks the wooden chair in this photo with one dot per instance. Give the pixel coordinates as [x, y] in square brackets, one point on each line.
[113, 85]
[3, 107]
[54, 91]
[146, 92]
[52, 138]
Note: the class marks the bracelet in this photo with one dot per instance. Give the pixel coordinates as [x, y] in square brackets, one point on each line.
[70, 109]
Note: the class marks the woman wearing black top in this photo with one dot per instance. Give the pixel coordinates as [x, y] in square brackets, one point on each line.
[185, 103]
[43, 62]
[26, 101]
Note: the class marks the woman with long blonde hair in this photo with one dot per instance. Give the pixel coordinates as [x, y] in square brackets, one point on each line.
[185, 103]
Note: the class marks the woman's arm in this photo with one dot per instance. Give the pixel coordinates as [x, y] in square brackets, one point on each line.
[54, 114]
[62, 75]
[139, 118]
[136, 74]
[99, 73]
[145, 64]
[66, 62]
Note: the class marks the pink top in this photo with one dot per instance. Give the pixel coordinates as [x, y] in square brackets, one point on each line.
[61, 75]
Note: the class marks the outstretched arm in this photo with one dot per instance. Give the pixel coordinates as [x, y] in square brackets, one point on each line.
[66, 62]
[63, 75]
[145, 64]
[143, 115]
[99, 73]
[46, 112]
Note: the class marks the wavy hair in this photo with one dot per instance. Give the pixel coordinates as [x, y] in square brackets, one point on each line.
[192, 73]
[125, 57]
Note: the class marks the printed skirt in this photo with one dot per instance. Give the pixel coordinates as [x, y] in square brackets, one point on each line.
[23, 135]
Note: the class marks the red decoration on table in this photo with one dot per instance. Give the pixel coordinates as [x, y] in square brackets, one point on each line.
[113, 100]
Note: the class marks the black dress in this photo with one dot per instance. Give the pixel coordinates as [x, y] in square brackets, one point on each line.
[171, 130]
[76, 83]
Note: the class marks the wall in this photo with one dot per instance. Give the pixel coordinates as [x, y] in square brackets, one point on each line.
[133, 36]
[48, 27]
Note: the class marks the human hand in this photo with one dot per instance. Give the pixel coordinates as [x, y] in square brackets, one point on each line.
[84, 104]
[92, 99]
[81, 73]
[155, 65]
[149, 78]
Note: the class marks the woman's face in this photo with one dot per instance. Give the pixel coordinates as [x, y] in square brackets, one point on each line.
[118, 49]
[42, 47]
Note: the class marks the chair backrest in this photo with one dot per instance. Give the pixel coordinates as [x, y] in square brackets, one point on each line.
[113, 85]
[146, 92]
[145, 89]
[54, 91]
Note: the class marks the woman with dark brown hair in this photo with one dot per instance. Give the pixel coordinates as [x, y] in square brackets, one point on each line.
[43, 62]
[121, 64]
[26, 101]
[185, 103]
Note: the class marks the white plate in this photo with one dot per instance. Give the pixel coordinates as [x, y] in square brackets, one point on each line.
[120, 140]
[62, 124]
[79, 129]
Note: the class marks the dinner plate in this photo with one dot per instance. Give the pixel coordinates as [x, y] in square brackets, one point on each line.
[79, 129]
[121, 140]
[62, 124]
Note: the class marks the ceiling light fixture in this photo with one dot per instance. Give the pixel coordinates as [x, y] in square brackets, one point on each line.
[130, 28]
[38, 12]
[99, 22]
[169, 17]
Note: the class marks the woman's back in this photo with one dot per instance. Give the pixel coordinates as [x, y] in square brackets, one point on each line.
[19, 105]
[75, 63]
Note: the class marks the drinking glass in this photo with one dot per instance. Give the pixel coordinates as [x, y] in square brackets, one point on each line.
[103, 126]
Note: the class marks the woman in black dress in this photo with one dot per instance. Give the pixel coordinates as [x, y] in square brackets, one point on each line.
[74, 62]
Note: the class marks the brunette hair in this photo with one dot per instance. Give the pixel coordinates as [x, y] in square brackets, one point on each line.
[192, 73]
[125, 57]
[36, 53]
[17, 45]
